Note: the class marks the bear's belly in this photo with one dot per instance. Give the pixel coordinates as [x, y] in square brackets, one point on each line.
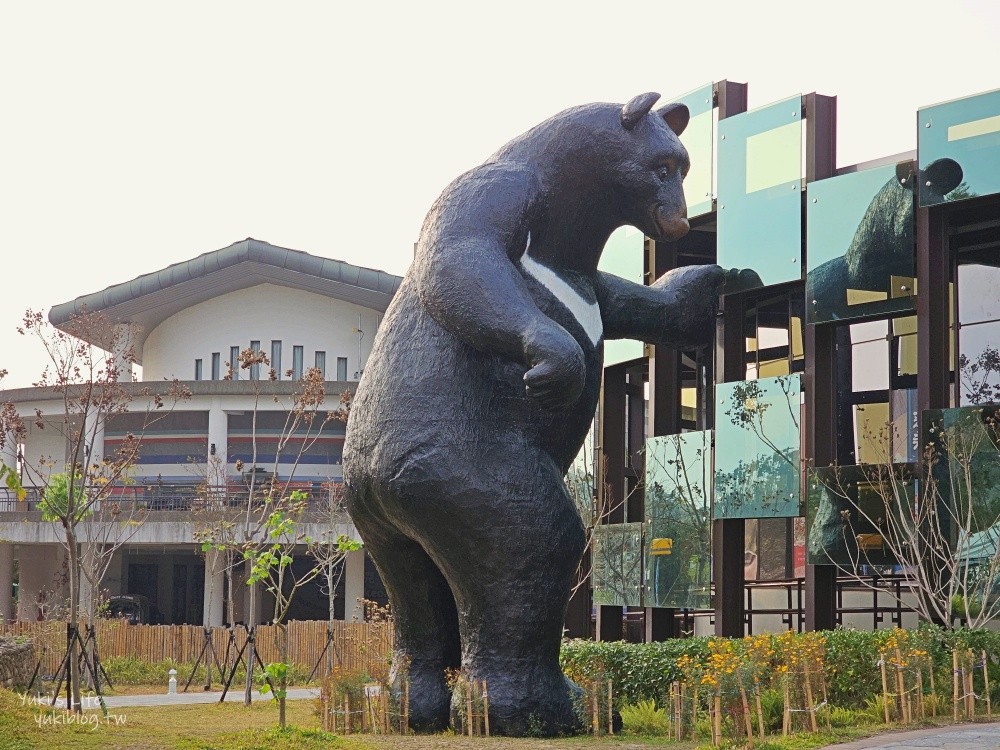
[442, 401]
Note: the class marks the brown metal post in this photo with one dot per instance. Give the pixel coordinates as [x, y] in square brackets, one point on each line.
[933, 345]
[728, 543]
[820, 354]
[611, 477]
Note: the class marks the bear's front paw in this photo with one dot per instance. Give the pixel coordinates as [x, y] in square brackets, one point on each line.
[557, 370]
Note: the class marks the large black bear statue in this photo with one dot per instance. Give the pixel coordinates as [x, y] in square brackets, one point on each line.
[480, 389]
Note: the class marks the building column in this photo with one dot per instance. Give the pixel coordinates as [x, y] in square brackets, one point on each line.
[93, 436]
[215, 581]
[6, 581]
[37, 565]
[218, 435]
[354, 586]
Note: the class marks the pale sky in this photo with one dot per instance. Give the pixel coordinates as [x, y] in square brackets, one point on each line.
[135, 135]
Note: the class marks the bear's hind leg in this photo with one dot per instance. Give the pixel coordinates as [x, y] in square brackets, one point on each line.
[425, 623]
[512, 583]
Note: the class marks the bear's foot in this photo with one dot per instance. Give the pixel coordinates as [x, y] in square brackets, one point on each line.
[430, 700]
[544, 707]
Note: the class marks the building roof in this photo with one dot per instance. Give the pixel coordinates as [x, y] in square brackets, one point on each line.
[148, 300]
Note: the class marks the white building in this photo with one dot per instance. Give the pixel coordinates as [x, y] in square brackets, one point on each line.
[190, 322]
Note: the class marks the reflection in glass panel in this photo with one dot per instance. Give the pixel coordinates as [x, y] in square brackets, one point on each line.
[623, 257]
[905, 436]
[958, 146]
[870, 356]
[860, 243]
[678, 511]
[580, 480]
[760, 170]
[617, 565]
[965, 471]
[757, 448]
[978, 293]
[699, 140]
[979, 363]
[871, 433]
[847, 514]
[766, 549]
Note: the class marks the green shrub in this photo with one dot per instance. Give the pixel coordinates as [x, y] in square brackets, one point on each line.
[130, 670]
[645, 718]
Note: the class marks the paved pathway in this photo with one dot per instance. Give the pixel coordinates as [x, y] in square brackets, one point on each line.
[162, 699]
[961, 737]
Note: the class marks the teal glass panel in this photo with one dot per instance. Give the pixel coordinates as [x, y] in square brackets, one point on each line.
[678, 538]
[760, 191]
[852, 514]
[699, 140]
[859, 244]
[958, 149]
[623, 257]
[580, 480]
[964, 445]
[757, 438]
[617, 564]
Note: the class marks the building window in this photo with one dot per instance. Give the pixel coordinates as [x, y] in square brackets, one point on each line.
[197, 369]
[216, 365]
[276, 358]
[341, 368]
[255, 368]
[234, 361]
[296, 363]
[321, 363]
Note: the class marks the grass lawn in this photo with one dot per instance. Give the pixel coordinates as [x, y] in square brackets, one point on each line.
[235, 727]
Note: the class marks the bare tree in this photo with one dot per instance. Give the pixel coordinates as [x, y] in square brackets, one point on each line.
[946, 537]
[88, 382]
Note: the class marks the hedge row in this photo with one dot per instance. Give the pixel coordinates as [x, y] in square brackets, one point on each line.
[644, 671]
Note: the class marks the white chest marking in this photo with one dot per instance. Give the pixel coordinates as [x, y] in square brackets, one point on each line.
[587, 314]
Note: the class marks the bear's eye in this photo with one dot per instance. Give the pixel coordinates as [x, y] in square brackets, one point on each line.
[666, 169]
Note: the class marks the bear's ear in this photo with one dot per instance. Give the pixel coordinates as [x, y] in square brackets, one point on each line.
[944, 175]
[676, 116]
[638, 108]
[904, 174]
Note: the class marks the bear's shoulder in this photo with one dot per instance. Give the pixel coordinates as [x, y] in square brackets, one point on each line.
[494, 195]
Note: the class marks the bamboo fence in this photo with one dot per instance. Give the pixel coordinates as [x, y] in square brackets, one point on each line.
[358, 646]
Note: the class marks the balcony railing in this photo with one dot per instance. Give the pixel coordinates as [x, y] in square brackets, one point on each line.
[320, 496]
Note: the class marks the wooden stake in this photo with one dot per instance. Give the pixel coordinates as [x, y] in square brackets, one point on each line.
[885, 690]
[954, 692]
[347, 714]
[986, 686]
[717, 733]
[595, 719]
[904, 711]
[826, 700]
[760, 710]
[810, 707]
[675, 693]
[786, 717]
[694, 708]
[468, 705]
[486, 709]
[970, 697]
[930, 671]
[746, 716]
[386, 721]
[611, 728]
[406, 706]
[920, 693]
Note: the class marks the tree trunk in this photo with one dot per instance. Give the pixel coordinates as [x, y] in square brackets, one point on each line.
[283, 686]
[252, 645]
[331, 598]
[74, 618]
